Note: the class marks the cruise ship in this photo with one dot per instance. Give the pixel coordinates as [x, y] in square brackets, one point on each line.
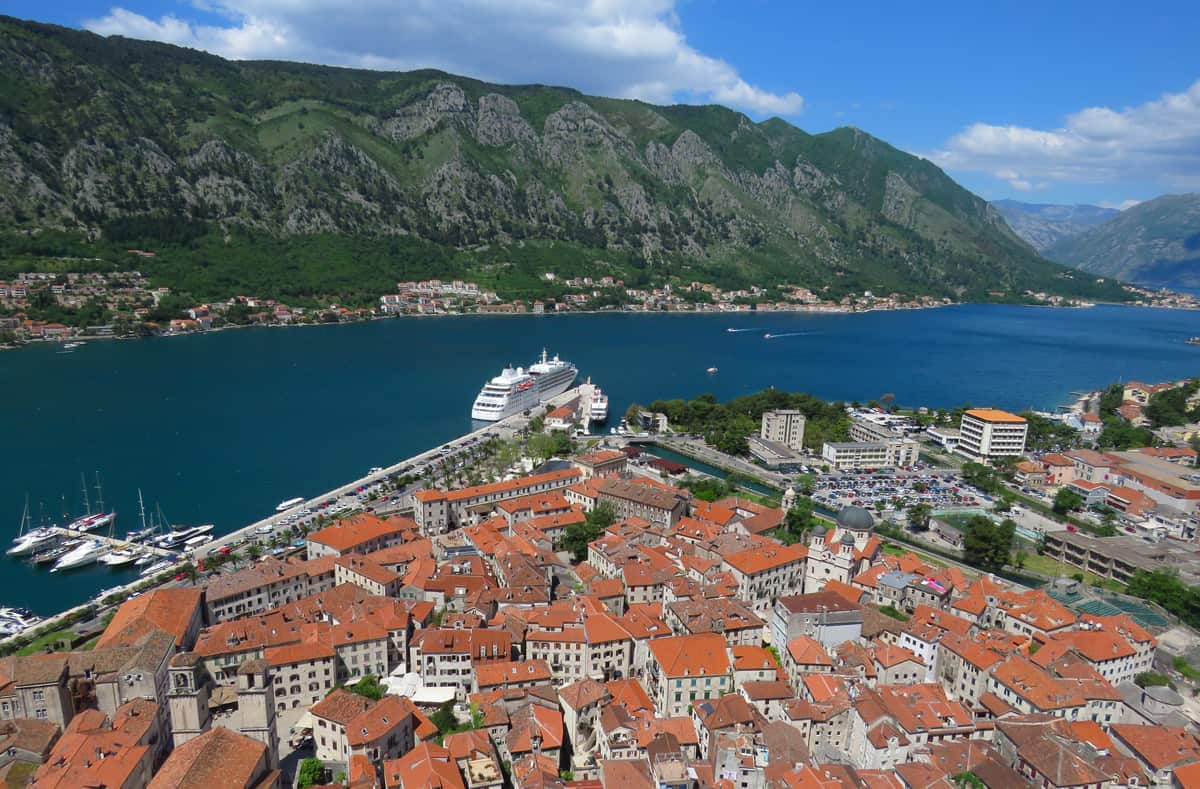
[515, 390]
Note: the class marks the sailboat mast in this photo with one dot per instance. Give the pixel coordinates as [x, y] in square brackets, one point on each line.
[142, 510]
[87, 505]
[24, 516]
[99, 493]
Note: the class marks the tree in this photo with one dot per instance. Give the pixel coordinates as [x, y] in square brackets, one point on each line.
[806, 484]
[368, 687]
[444, 718]
[191, 572]
[919, 515]
[311, 773]
[798, 521]
[1067, 500]
[578, 535]
[988, 544]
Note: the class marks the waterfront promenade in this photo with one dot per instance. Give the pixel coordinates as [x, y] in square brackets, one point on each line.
[509, 425]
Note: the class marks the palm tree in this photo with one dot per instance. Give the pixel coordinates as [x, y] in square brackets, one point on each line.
[190, 571]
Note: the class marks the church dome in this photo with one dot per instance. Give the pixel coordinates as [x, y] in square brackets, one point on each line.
[855, 519]
[847, 538]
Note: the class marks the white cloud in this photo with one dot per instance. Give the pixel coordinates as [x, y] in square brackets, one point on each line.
[625, 48]
[1157, 141]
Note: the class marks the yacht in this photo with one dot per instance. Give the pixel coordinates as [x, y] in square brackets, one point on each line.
[516, 390]
[180, 535]
[284, 506]
[598, 411]
[86, 552]
[31, 541]
[157, 567]
[52, 554]
[119, 557]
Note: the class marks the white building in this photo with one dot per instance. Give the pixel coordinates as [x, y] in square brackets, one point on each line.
[988, 433]
[848, 455]
[784, 427]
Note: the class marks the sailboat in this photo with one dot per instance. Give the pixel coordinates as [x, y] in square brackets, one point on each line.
[28, 542]
[90, 521]
[146, 532]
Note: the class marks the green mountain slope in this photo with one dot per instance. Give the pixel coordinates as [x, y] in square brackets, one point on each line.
[1153, 243]
[292, 179]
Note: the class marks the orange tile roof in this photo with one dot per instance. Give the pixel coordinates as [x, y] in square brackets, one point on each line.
[218, 757]
[702, 654]
[341, 706]
[428, 766]
[806, 651]
[1159, 746]
[379, 720]
[758, 560]
[476, 491]
[489, 675]
[1036, 687]
[169, 610]
[349, 533]
[298, 653]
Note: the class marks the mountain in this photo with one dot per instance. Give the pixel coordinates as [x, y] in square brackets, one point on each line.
[289, 179]
[1153, 243]
[1045, 224]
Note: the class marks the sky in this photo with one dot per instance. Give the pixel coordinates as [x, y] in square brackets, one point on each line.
[1049, 102]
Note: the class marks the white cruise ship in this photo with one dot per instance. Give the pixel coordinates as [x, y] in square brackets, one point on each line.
[513, 391]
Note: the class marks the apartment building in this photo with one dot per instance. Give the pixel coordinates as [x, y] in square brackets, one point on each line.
[599, 648]
[686, 668]
[438, 511]
[446, 658]
[302, 673]
[989, 433]
[766, 573]
[784, 426]
[853, 455]
[362, 533]
[659, 504]
[266, 584]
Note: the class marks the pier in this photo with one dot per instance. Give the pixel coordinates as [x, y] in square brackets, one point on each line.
[112, 542]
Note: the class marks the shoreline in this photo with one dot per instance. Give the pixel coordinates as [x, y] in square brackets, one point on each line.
[86, 338]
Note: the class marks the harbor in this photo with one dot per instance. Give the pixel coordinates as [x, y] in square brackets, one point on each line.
[168, 560]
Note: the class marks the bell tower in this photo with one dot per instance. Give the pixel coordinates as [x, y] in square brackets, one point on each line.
[256, 705]
[187, 697]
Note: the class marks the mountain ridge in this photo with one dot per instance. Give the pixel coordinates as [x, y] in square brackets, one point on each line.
[1155, 243]
[117, 141]
[1045, 224]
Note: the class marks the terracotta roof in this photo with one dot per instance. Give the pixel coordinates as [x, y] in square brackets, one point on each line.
[758, 560]
[341, 706]
[428, 766]
[298, 653]
[379, 720]
[1159, 746]
[806, 651]
[169, 610]
[218, 757]
[512, 672]
[702, 654]
[349, 533]
[501, 488]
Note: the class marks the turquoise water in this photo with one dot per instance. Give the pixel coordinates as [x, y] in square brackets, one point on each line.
[218, 428]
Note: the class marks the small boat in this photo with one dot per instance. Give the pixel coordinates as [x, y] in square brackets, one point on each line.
[192, 543]
[121, 556]
[52, 554]
[157, 567]
[1193, 341]
[287, 504]
[145, 559]
[375, 470]
[711, 371]
[768, 336]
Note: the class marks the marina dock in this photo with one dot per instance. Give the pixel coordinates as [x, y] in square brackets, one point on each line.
[112, 542]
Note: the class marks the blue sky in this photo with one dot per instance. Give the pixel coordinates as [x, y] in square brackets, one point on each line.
[1044, 102]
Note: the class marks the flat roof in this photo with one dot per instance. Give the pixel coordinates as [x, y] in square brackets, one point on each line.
[995, 415]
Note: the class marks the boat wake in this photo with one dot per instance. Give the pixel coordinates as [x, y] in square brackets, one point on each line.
[769, 336]
[736, 331]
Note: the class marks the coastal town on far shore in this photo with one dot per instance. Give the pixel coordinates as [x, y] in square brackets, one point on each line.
[771, 593]
[42, 306]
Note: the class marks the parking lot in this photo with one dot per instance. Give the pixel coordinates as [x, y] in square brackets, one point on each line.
[895, 490]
